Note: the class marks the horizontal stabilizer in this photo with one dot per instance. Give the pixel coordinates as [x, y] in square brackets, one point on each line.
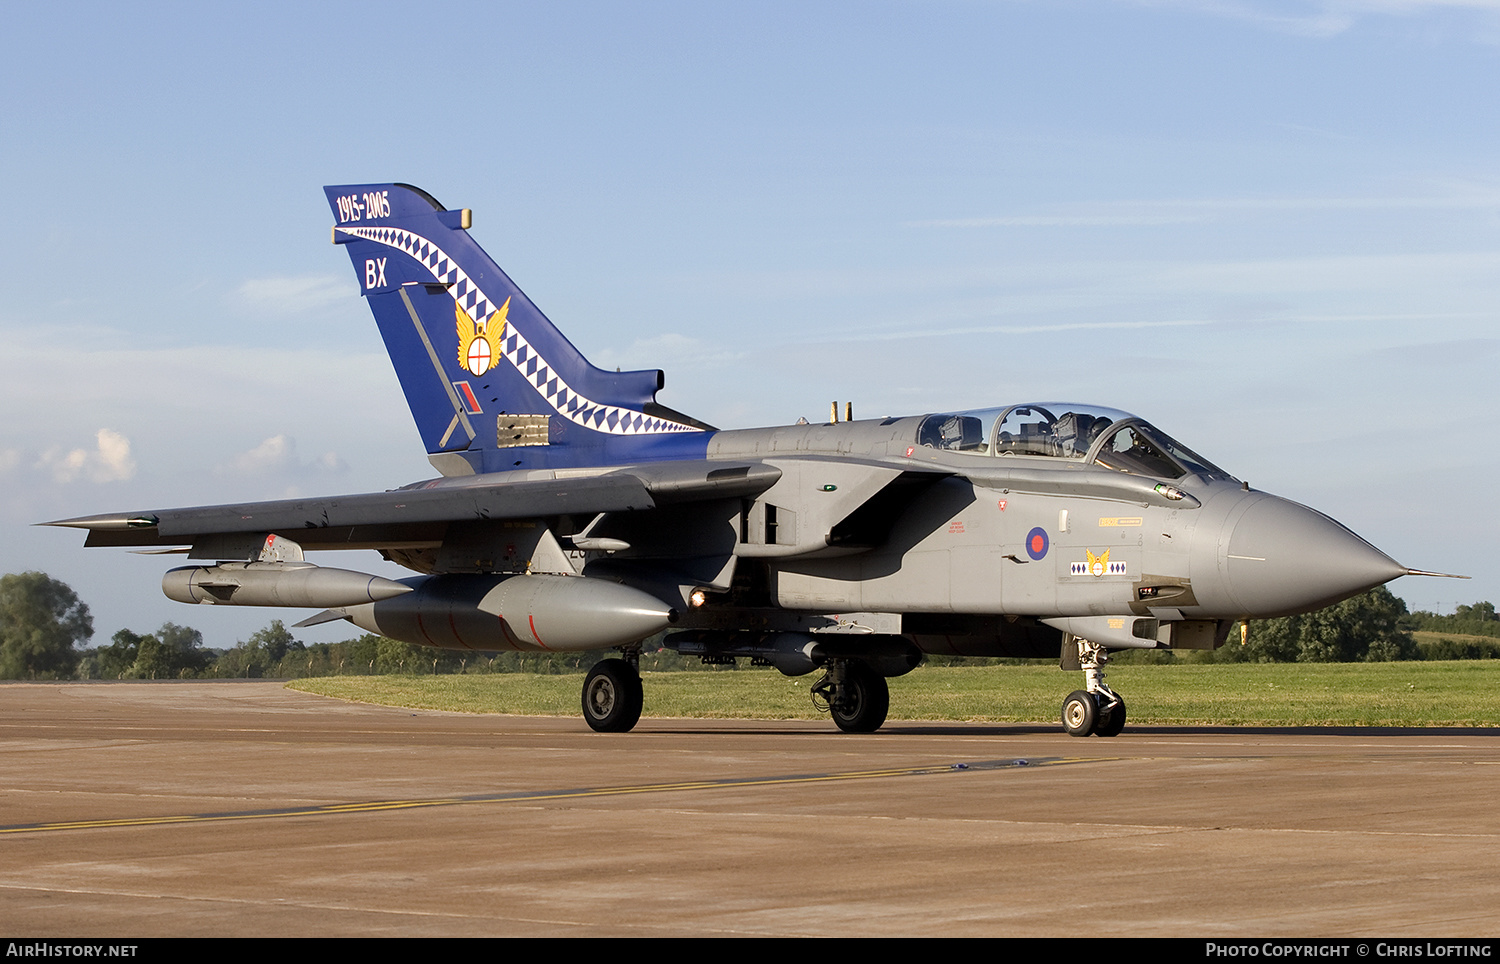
[326, 616]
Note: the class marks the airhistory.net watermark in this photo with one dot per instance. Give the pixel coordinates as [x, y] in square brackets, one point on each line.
[59, 949]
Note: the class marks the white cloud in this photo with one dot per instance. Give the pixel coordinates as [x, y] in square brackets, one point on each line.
[1057, 221]
[109, 461]
[1007, 329]
[1165, 211]
[667, 351]
[273, 453]
[277, 455]
[330, 462]
[1319, 18]
[292, 296]
[1464, 197]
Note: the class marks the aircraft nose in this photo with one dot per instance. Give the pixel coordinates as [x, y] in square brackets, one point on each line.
[1281, 558]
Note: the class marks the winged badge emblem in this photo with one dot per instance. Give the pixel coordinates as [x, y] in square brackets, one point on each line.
[479, 342]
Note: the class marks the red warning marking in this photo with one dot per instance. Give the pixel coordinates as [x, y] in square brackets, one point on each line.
[509, 636]
[471, 403]
[532, 620]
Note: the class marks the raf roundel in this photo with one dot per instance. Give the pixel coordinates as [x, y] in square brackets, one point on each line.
[1036, 543]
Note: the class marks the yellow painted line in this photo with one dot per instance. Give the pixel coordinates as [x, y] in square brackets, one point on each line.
[529, 796]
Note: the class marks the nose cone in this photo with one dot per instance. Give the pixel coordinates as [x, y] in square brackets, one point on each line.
[1282, 558]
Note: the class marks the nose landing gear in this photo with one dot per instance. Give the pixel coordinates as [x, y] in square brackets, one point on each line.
[1097, 710]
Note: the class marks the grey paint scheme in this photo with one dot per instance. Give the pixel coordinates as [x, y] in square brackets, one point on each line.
[945, 534]
[851, 546]
[1220, 551]
[420, 514]
[845, 546]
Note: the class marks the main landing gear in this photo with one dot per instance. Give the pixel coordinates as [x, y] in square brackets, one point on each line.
[855, 694]
[612, 694]
[1097, 710]
[851, 690]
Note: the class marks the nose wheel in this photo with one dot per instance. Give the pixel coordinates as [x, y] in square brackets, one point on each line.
[1080, 713]
[1098, 710]
[1112, 722]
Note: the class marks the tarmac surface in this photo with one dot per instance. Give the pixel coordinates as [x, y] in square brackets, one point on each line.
[245, 809]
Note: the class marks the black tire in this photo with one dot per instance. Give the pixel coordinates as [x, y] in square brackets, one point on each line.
[866, 700]
[612, 696]
[1080, 713]
[1111, 723]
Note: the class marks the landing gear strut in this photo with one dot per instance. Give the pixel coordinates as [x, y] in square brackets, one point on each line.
[856, 696]
[612, 696]
[1097, 710]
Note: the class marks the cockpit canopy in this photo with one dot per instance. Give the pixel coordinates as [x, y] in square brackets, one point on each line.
[1063, 430]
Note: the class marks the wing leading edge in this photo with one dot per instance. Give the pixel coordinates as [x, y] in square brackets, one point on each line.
[422, 513]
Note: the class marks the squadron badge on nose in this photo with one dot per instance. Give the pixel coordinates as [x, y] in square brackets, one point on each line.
[1098, 565]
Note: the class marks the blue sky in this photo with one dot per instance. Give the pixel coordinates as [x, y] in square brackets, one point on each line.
[1271, 228]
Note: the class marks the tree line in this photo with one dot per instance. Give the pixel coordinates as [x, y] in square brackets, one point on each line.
[43, 626]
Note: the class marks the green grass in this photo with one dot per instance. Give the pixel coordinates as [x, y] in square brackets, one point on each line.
[1426, 637]
[1459, 693]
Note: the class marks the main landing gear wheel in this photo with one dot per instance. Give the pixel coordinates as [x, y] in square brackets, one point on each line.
[861, 701]
[612, 696]
[1080, 713]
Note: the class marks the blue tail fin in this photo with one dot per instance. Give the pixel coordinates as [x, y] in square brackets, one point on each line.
[492, 384]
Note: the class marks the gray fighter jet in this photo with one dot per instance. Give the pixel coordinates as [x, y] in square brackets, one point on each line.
[575, 513]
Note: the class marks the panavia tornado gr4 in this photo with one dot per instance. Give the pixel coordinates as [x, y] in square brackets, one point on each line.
[576, 513]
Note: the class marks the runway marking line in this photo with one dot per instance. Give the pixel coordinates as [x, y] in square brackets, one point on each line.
[526, 796]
